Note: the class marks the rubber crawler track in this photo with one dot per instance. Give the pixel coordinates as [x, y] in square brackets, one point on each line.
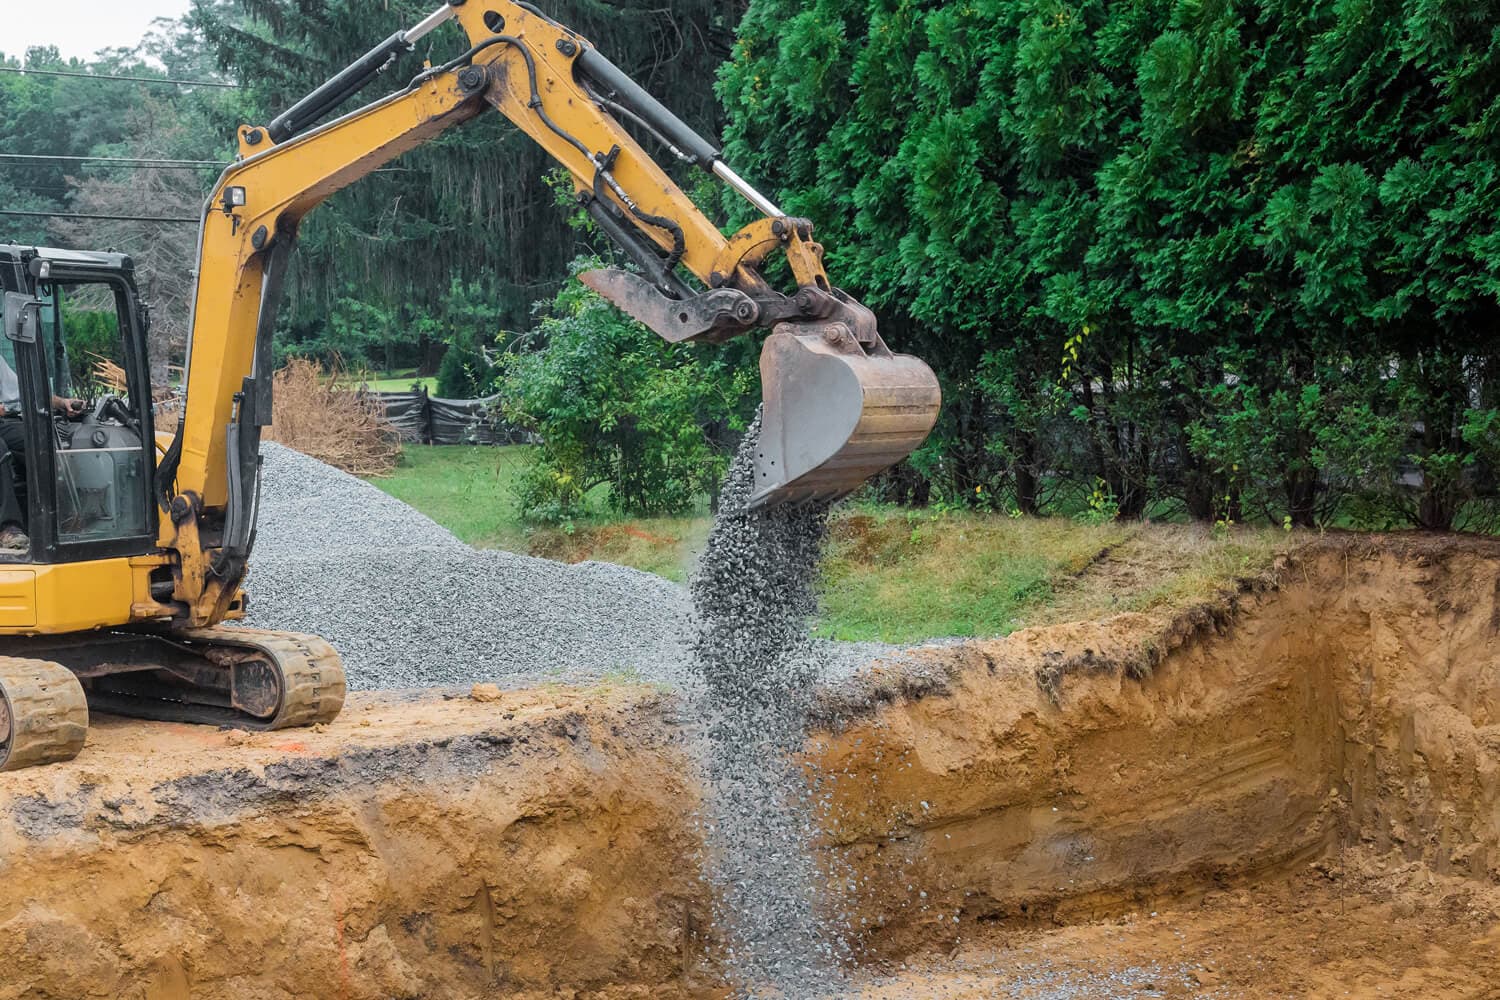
[311, 675]
[313, 684]
[46, 713]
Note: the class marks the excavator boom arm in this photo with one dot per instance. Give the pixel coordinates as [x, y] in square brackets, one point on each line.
[839, 405]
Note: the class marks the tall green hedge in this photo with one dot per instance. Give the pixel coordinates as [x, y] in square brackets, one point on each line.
[1237, 257]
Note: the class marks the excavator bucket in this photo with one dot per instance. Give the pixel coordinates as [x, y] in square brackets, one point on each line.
[836, 412]
[838, 406]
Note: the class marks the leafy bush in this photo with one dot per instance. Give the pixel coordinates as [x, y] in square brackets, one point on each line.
[617, 406]
[463, 374]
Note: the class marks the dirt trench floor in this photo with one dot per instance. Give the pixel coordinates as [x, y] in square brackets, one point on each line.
[1292, 790]
[1369, 927]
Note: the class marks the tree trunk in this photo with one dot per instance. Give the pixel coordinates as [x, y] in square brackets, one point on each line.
[908, 487]
[1198, 495]
[1442, 482]
[1025, 473]
[1301, 497]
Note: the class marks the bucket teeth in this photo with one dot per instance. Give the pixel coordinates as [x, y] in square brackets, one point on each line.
[836, 414]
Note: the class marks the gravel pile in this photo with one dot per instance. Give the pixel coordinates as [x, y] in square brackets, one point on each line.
[409, 605]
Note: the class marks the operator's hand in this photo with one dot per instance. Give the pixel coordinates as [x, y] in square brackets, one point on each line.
[72, 407]
[3, 410]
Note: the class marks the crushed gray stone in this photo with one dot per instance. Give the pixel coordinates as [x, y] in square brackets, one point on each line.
[777, 909]
[407, 604]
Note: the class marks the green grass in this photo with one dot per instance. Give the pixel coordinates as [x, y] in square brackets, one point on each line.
[391, 381]
[666, 546]
[402, 384]
[395, 384]
[905, 576]
[889, 574]
[468, 490]
[471, 491]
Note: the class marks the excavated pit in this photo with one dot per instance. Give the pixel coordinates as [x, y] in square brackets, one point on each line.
[1293, 791]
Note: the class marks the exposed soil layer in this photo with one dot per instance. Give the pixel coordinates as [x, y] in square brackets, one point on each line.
[1369, 929]
[419, 848]
[1357, 703]
[1301, 781]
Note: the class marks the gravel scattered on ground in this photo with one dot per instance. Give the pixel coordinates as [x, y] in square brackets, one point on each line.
[409, 605]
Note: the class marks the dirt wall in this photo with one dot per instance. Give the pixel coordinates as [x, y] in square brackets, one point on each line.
[1352, 701]
[420, 850]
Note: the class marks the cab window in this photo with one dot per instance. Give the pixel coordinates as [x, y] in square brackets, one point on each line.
[101, 471]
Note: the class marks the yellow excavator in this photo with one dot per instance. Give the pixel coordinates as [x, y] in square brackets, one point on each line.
[138, 546]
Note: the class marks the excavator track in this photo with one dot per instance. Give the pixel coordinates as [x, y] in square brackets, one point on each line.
[236, 677]
[312, 672]
[44, 716]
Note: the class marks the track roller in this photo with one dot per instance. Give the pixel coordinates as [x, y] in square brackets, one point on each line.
[44, 716]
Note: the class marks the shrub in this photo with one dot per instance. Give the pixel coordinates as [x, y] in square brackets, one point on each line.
[463, 374]
[616, 405]
[343, 427]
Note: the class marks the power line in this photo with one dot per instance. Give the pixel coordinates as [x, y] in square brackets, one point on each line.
[99, 218]
[135, 162]
[143, 163]
[120, 79]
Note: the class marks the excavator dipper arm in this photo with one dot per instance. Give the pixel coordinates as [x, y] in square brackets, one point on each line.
[839, 406]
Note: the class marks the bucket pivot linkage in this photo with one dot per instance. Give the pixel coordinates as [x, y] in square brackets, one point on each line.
[838, 405]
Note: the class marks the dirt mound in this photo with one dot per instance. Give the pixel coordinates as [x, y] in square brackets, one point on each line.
[1291, 791]
[416, 849]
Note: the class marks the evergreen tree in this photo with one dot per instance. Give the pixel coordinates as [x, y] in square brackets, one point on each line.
[1211, 251]
[472, 204]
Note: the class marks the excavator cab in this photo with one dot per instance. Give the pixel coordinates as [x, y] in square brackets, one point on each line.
[80, 483]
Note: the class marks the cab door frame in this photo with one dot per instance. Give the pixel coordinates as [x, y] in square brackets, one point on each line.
[41, 466]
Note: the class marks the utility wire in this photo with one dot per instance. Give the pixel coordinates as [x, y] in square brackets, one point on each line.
[120, 79]
[138, 162]
[99, 218]
[141, 163]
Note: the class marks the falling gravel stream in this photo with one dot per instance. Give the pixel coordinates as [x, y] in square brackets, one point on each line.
[754, 596]
[409, 605]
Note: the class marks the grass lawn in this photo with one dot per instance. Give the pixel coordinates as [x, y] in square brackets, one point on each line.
[471, 492]
[398, 384]
[902, 576]
[468, 490]
[888, 574]
[905, 576]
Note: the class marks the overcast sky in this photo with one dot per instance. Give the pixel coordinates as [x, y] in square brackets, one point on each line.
[81, 27]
